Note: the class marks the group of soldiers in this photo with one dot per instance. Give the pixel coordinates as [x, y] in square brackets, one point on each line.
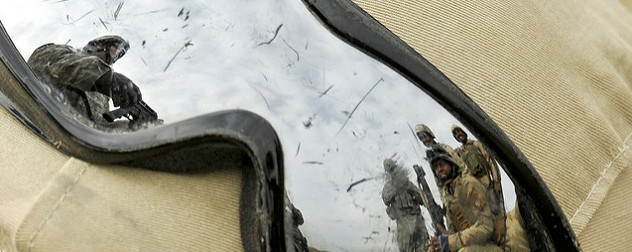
[469, 185]
[468, 179]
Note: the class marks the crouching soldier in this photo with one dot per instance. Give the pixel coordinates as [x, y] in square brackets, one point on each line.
[468, 214]
[85, 77]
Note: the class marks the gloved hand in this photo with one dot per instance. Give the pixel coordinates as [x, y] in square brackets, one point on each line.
[123, 91]
[118, 87]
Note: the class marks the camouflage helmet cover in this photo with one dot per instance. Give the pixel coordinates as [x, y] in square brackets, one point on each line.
[423, 128]
[441, 156]
[106, 41]
[436, 153]
[389, 165]
[111, 40]
[446, 157]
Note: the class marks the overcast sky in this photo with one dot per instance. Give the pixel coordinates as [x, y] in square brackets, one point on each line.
[191, 57]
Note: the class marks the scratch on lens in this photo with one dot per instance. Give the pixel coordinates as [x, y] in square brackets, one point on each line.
[313, 162]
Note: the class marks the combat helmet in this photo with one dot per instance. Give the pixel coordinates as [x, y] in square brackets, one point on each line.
[389, 165]
[108, 41]
[435, 153]
[423, 128]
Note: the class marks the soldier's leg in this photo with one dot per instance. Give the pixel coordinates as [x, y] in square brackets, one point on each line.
[421, 234]
[405, 230]
[517, 239]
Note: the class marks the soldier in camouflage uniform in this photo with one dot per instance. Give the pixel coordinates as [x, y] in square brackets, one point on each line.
[468, 214]
[478, 161]
[482, 167]
[85, 77]
[508, 227]
[403, 201]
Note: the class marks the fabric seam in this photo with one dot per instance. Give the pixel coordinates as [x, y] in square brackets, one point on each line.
[59, 202]
[587, 211]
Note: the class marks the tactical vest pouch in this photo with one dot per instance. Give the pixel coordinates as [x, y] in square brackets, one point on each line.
[475, 161]
[404, 200]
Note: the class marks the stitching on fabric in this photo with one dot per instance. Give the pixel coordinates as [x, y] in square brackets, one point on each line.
[59, 202]
[622, 150]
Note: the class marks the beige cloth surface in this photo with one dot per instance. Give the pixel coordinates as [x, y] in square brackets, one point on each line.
[52, 202]
[555, 76]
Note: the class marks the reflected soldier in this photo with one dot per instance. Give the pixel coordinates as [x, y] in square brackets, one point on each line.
[403, 200]
[428, 139]
[482, 167]
[85, 77]
[468, 213]
[478, 161]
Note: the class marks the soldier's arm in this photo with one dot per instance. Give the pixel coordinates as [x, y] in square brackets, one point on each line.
[388, 193]
[450, 225]
[415, 192]
[481, 231]
[486, 155]
[78, 70]
[494, 170]
[452, 228]
[459, 151]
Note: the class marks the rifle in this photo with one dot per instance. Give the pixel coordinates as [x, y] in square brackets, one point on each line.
[436, 212]
[138, 114]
